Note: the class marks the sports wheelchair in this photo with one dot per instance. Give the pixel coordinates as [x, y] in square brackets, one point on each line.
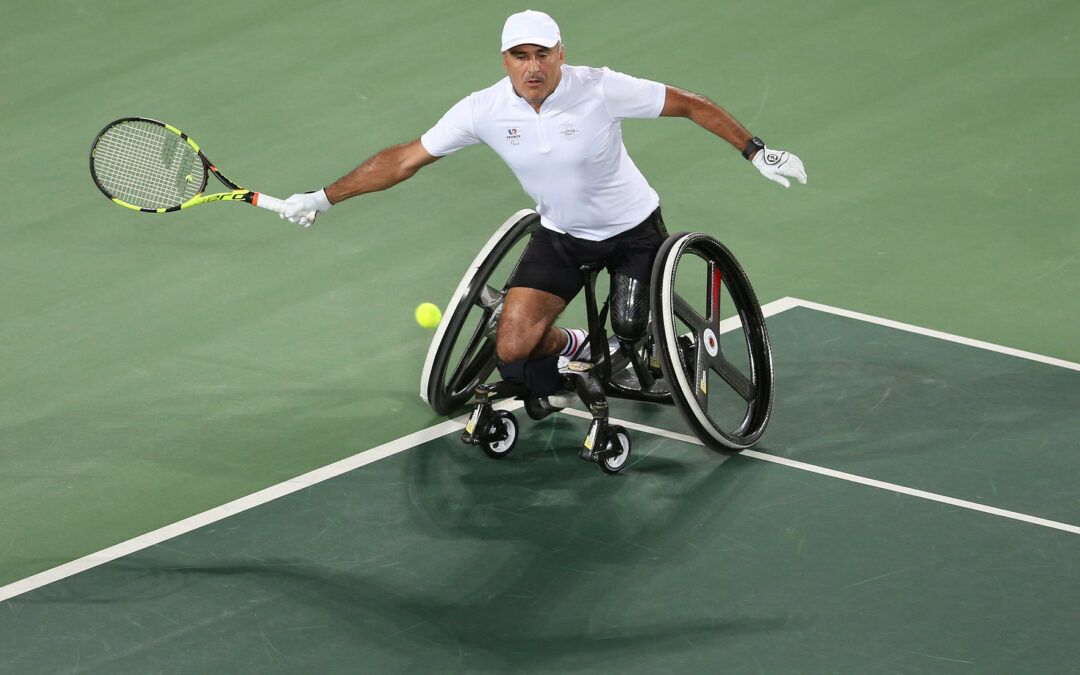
[707, 352]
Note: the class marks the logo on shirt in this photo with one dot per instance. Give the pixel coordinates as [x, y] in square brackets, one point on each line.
[513, 136]
[568, 131]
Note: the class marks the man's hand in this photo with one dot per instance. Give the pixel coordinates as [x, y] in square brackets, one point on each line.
[776, 164]
[304, 207]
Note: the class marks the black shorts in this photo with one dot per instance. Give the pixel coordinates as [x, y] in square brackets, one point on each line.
[552, 261]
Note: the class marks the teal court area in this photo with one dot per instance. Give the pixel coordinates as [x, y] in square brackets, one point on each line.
[161, 367]
[918, 512]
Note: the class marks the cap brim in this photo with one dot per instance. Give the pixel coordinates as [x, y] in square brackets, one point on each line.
[545, 42]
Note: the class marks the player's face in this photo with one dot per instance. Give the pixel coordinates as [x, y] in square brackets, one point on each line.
[534, 71]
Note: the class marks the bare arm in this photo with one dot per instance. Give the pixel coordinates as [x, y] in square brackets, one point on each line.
[702, 111]
[384, 170]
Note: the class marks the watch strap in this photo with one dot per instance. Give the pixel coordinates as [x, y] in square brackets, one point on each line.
[752, 146]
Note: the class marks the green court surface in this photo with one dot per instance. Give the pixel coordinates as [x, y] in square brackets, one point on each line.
[158, 367]
[438, 559]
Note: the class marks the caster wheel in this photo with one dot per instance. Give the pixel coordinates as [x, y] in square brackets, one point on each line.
[618, 439]
[502, 435]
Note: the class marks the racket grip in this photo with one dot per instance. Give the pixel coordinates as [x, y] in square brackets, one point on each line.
[268, 202]
[278, 206]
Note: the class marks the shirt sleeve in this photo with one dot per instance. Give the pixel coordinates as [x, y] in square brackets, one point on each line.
[627, 96]
[453, 132]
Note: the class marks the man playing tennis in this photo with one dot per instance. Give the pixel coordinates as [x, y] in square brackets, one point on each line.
[559, 128]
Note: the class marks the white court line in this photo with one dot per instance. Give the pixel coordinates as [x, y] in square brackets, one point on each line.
[412, 440]
[239, 505]
[850, 477]
[785, 304]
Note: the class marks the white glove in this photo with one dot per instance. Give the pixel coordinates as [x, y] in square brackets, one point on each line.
[302, 208]
[775, 164]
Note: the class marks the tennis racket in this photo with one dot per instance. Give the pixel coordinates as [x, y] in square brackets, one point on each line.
[150, 166]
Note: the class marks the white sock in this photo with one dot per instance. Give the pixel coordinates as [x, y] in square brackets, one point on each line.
[575, 338]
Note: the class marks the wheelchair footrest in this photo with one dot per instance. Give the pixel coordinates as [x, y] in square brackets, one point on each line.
[628, 380]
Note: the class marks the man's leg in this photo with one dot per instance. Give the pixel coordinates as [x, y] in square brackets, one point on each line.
[528, 340]
[527, 326]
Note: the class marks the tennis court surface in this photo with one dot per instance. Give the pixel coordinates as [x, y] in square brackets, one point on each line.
[911, 508]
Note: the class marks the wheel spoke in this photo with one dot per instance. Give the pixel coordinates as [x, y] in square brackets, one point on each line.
[714, 283]
[734, 377]
[477, 363]
[687, 314]
[701, 377]
[719, 364]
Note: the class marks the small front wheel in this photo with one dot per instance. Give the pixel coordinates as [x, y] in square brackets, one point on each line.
[501, 435]
[618, 440]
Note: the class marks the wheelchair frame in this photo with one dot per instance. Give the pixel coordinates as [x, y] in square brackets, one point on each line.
[671, 365]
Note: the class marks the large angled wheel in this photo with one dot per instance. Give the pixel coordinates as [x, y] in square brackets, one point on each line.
[462, 352]
[711, 341]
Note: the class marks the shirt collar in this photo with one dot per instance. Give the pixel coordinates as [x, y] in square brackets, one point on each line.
[552, 98]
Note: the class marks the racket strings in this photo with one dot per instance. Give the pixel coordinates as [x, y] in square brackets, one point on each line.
[147, 165]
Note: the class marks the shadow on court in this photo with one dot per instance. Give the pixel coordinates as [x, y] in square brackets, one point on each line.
[533, 561]
[441, 559]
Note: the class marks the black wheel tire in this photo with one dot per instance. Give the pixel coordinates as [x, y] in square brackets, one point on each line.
[462, 352]
[504, 422]
[689, 347]
[612, 465]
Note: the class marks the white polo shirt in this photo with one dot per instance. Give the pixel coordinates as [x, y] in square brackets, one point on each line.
[570, 157]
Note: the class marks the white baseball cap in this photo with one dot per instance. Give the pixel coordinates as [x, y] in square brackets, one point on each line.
[530, 28]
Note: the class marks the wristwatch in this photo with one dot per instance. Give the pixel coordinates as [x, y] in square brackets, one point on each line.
[753, 146]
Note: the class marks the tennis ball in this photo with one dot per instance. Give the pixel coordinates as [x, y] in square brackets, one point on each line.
[428, 315]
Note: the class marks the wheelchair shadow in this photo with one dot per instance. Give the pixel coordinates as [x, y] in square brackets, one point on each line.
[536, 561]
[518, 625]
[570, 542]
